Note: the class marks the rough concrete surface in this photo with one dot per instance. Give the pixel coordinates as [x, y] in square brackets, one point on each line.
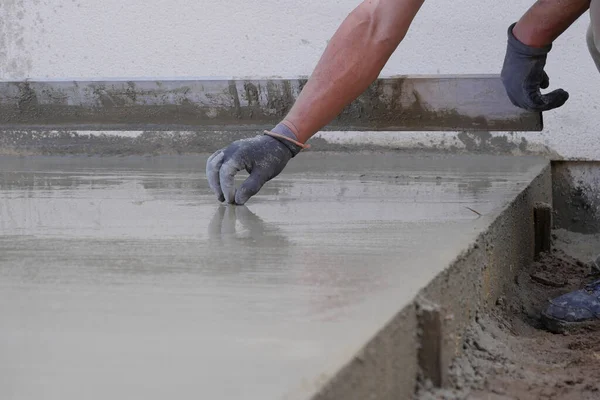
[479, 276]
[122, 276]
[67, 142]
[576, 194]
[509, 355]
[400, 103]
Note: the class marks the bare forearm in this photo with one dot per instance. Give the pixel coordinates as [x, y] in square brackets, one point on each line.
[355, 56]
[548, 19]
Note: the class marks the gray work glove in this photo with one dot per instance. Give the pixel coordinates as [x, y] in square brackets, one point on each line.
[523, 76]
[263, 157]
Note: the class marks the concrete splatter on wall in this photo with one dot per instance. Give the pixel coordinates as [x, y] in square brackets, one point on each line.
[15, 62]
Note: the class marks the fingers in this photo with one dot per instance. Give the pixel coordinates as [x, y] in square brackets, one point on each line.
[545, 83]
[250, 187]
[555, 99]
[213, 166]
[263, 157]
[545, 102]
[549, 101]
[221, 175]
[227, 179]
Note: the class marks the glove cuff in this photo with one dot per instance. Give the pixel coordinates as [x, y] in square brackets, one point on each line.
[285, 135]
[524, 49]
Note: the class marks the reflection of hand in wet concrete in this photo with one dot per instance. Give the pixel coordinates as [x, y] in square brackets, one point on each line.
[240, 241]
[316, 284]
[251, 230]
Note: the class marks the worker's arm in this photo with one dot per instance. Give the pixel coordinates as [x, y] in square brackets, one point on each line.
[353, 59]
[529, 42]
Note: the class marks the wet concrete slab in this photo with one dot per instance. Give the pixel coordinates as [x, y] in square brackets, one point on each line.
[123, 277]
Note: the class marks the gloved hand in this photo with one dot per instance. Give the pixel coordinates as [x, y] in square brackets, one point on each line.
[263, 157]
[523, 75]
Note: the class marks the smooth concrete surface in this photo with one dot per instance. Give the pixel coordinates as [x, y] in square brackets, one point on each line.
[46, 39]
[122, 277]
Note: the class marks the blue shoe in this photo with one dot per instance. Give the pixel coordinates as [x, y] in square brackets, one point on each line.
[574, 311]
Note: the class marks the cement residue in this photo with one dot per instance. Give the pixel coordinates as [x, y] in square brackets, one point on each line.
[63, 142]
[576, 197]
[388, 104]
[15, 62]
[581, 246]
[46, 142]
[508, 354]
[485, 142]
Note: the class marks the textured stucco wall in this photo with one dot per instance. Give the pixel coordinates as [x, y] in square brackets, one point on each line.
[42, 39]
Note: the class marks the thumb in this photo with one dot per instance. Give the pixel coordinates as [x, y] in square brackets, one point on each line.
[545, 80]
[549, 101]
[250, 187]
[555, 99]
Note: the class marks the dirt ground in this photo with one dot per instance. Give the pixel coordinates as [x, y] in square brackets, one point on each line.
[509, 355]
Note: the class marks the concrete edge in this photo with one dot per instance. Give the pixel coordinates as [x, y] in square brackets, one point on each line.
[400, 103]
[576, 195]
[105, 143]
[389, 366]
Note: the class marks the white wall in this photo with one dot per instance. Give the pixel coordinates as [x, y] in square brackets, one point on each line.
[195, 38]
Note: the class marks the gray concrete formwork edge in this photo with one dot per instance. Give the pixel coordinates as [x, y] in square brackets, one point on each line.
[389, 365]
[403, 103]
[576, 195]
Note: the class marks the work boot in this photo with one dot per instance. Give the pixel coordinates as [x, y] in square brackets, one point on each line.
[574, 311]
